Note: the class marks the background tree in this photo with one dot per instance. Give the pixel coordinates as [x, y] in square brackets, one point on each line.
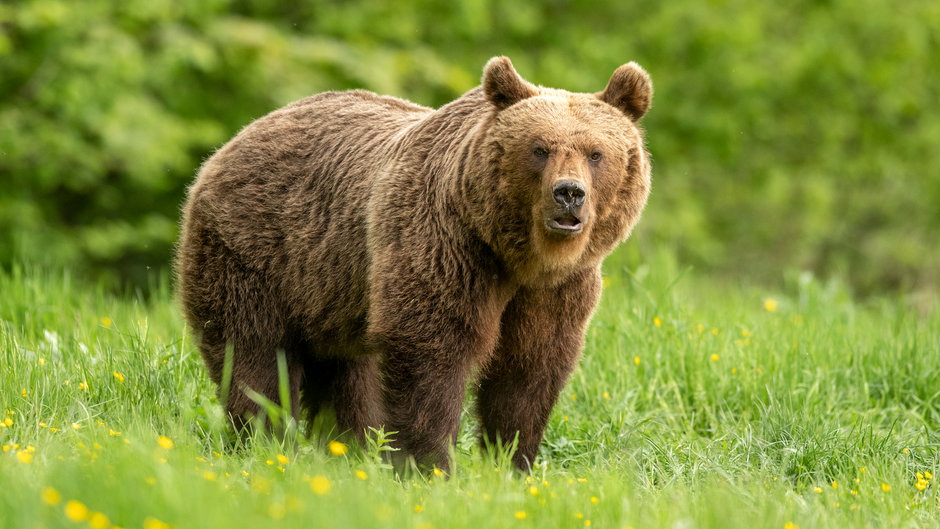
[799, 135]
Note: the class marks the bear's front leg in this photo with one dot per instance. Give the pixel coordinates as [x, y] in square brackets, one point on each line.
[429, 335]
[424, 390]
[541, 339]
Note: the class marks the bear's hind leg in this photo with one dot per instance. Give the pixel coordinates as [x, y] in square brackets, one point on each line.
[231, 308]
[357, 395]
[258, 380]
[352, 386]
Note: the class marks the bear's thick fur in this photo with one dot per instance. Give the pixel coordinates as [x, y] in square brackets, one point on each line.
[389, 249]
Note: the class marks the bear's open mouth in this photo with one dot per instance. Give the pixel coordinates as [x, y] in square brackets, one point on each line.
[566, 224]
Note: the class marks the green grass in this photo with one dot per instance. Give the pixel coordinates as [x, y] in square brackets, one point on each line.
[652, 431]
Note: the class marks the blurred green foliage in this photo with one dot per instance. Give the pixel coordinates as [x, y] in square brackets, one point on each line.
[785, 135]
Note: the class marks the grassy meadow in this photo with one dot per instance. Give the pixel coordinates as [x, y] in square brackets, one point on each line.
[696, 405]
[785, 136]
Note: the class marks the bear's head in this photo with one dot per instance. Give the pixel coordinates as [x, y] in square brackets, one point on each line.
[571, 171]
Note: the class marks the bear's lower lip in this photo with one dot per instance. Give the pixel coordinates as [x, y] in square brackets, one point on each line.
[566, 224]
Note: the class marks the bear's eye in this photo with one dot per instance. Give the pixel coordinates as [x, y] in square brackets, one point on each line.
[540, 152]
[595, 156]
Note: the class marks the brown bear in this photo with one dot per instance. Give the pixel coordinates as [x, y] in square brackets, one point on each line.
[390, 250]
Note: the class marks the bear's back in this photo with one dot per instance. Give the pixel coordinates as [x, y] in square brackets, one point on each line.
[288, 194]
[303, 165]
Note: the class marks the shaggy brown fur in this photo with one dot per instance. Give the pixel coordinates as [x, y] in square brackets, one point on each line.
[388, 249]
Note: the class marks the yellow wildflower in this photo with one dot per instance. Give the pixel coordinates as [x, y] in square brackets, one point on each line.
[263, 485]
[153, 523]
[24, 393]
[533, 490]
[83, 386]
[605, 395]
[98, 521]
[209, 475]
[714, 357]
[277, 511]
[419, 508]
[320, 485]
[714, 331]
[114, 433]
[922, 484]
[118, 376]
[282, 459]
[636, 360]
[7, 421]
[50, 496]
[438, 472]
[657, 322]
[76, 511]
[521, 515]
[24, 456]
[106, 321]
[885, 487]
[770, 305]
[362, 475]
[76, 426]
[337, 448]
[587, 523]
[928, 475]
[165, 442]
[835, 484]
[595, 499]
[790, 525]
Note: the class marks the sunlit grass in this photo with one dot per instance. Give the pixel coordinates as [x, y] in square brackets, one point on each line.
[694, 406]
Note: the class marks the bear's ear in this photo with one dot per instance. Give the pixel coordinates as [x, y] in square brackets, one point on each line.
[630, 90]
[502, 85]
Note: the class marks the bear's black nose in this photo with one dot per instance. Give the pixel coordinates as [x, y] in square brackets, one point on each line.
[569, 193]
